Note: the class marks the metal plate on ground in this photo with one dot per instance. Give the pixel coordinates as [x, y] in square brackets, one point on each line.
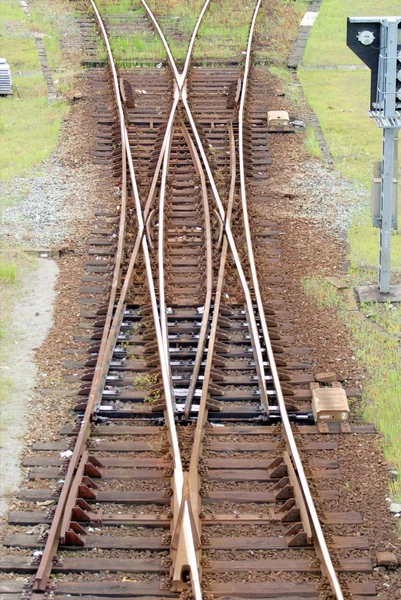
[371, 293]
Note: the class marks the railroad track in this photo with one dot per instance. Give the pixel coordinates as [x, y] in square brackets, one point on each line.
[185, 472]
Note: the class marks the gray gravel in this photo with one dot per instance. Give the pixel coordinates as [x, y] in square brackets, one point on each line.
[324, 197]
[45, 207]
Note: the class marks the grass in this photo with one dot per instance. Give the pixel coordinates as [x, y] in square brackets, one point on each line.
[223, 33]
[29, 128]
[311, 143]
[13, 265]
[340, 100]
[17, 43]
[27, 141]
[327, 42]
[16, 123]
[143, 45]
[7, 272]
[355, 143]
[377, 350]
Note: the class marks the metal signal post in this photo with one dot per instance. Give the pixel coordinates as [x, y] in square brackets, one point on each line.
[377, 42]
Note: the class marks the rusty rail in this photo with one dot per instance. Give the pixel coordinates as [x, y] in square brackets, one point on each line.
[64, 503]
[186, 524]
[227, 228]
[209, 276]
[327, 566]
[324, 555]
[67, 497]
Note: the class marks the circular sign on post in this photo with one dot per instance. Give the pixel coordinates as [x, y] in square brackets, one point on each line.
[366, 37]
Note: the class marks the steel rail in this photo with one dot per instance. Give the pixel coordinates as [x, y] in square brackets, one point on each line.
[108, 343]
[237, 260]
[179, 77]
[227, 228]
[45, 566]
[203, 411]
[178, 477]
[162, 298]
[328, 565]
[209, 276]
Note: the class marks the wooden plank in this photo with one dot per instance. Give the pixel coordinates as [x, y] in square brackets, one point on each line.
[94, 541]
[262, 475]
[161, 519]
[134, 497]
[155, 543]
[103, 430]
[279, 543]
[300, 429]
[146, 520]
[342, 518]
[262, 463]
[352, 542]
[244, 496]
[363, 589]
[106, 474]
[122, 589]
[103, 446]
[107, 461]
[238, 446]
[11, 587]
[119, 497]
[266, 589]
[160, 596]
[233, 596]
[332, 518]
[23, 564]
[347, 565]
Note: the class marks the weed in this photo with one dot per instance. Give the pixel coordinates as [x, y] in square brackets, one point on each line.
[223, 32]
[7, 271]
[311, 143]
[144, 382]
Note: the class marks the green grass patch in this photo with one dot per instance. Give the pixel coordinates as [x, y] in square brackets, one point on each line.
[378, 351]
[144, 46]
[13, 265]
[7, 272]
[29, 126]
[327, 42]
[27, 141]
[17, 43]
[340, 100]
[363, 242]
[311, 143]
[223, 33]
[119, 7]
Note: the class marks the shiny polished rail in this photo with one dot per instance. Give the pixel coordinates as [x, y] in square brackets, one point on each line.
[186, 531]
[181, 515]
[323, 552]
[319, 539]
